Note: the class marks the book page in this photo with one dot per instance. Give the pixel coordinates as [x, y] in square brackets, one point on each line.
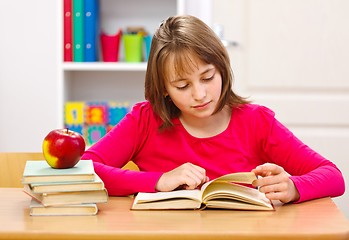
[180, 199]
[153, 197]
[240, 177]
[168, 204]
[220, 190]
[236, 205]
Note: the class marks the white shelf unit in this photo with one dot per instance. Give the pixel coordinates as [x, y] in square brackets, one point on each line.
[117, 81]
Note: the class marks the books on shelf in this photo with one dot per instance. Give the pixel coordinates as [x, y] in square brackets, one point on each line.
[41, 172]
[71, 191]
[37, 209]
[227, 192]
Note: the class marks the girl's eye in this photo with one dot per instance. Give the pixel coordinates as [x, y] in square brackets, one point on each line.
[182, 87]
[209, 78]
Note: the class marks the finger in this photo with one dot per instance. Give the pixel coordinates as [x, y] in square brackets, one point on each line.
[267, 169]
[278, 187]
[200, 174]
[196, 172]
[281, 178]
[193, 180]
[186, 176]
[276, 196]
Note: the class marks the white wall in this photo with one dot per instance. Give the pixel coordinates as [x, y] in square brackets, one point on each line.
[292, 56]
[28, 73]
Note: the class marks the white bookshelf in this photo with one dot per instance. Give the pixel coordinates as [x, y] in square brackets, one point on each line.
[117, 81]
[111, 81]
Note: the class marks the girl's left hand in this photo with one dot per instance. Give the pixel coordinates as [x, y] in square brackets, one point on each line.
[275, 183]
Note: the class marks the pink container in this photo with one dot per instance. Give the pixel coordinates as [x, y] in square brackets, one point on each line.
[110, 46]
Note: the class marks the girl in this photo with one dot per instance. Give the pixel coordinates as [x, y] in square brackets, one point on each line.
[193, 128]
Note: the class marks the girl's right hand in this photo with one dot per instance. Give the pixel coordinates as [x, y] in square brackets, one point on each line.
[186, 176]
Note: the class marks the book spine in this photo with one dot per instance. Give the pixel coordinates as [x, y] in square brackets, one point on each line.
[67, 31]
[78, 30]
[91, 30]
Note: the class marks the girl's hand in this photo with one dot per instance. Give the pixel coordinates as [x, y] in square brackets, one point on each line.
[186, 176]
[275, 183]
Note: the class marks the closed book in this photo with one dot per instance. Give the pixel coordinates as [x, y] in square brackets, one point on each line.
[91, 25]
[40, 172]
[67, 31]
[67, 198]
[96, 184]
[78, 30]
[37, 209]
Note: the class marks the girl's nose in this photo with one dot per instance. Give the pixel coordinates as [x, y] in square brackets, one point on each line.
[199, 92]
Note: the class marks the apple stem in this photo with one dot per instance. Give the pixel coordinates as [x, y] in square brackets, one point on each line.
[67, 130]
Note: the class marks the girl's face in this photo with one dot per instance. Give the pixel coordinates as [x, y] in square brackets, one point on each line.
[195, 92]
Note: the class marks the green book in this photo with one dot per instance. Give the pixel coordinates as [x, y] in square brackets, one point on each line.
[40, 172]
[78, 30]
[48, 187]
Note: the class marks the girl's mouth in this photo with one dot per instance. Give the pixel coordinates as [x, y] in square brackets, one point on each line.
[201, 105]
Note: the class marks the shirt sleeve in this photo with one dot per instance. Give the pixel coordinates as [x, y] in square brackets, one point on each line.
[118, 147]
[313, 175]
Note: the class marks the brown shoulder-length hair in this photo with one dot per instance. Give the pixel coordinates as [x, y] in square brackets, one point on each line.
[173, 44]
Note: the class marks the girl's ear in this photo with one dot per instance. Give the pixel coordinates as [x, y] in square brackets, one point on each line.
[167, 97]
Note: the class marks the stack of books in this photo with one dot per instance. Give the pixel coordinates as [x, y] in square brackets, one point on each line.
[71, 191]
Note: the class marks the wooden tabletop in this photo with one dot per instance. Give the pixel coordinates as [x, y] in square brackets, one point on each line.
[317, 219]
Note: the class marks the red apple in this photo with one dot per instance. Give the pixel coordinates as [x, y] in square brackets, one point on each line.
[63, 148]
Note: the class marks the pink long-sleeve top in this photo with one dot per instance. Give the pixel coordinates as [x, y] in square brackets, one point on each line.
[253, 137]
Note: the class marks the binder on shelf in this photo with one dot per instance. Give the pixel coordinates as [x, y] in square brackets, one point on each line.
[91, 25]
[67, 31]
[78, 30]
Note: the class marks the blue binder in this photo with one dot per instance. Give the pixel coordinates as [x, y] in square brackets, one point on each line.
[91, 15]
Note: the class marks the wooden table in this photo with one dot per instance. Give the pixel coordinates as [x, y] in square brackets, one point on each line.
[317, 219]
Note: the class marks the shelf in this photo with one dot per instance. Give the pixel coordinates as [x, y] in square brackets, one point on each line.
[103, 82]
[104, 66]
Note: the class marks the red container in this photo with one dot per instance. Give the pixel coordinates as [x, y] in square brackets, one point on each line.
[110, 46]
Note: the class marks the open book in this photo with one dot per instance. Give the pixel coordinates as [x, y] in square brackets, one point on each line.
[226, 192]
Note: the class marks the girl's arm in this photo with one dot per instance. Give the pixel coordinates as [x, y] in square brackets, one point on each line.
[118, 147]
[120, 182]
[312, 175]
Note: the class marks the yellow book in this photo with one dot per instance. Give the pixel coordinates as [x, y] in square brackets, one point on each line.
[226, 192]
[37, 209]
[65, 198]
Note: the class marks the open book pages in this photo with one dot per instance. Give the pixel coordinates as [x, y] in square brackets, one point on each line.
[226, 192]
[179, 199]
